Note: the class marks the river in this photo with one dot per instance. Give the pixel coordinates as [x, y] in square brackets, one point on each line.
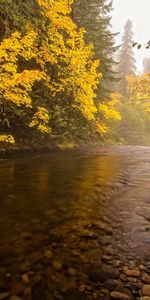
[66, 215]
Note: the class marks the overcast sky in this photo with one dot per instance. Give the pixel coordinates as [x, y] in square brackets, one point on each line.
[138, 11]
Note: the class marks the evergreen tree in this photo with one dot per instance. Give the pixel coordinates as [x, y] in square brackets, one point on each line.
[127, 61]
[94, 16]
[146, 65]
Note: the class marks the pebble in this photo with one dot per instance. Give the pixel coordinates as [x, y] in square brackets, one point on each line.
[48, 254]
[146, 278]
[57, 265]
[132, 273]
[72, 272]
[120, 295]
[25, 279]
[4, 295]
[146, 290]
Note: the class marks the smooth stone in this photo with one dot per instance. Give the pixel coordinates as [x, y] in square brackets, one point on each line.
[146, 290]
[101, 274]
[145, 278]
[72, 272]
[132, 279]
[120, 295]
[25, 279]
[123, 278]
[57, 265]
[48, 254]
[111, 284]
[132, 273]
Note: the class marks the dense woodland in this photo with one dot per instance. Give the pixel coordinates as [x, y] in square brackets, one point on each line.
[60, 83]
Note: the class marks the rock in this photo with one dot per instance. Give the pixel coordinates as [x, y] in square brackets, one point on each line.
[16, 288]
[25, 267]
[82, 288]
[110, 250]
[145, 278]
[98, 274]
[25, 235]
[72, 272]
[132, 286]
[27, 294]
[117, 263]
[142, 267]
[132, 279]
[146, 290]
[107, 258]
[110, 284]
[132, 273]
[48, 254]
[120, 295]
[36, 278]
[4, 295]
[25, 279]
[147, 267]
[57, 265]
[123, 278]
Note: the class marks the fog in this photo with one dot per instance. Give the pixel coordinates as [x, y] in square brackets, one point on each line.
[138, 13]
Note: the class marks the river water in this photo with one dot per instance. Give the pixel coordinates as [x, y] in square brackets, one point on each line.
[61, 213]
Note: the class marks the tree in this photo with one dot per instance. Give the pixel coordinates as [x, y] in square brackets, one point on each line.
[126, 61]
[94, 16]
[146, 65]
[48, 75]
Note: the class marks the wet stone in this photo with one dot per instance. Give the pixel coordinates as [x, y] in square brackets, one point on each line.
[57, 265]
[48, 254]
[111, 284]
[72, 272]
[132, 273]
[145, 278]
[120, 295]
[27, 293]
[98, 274]
[146, 290]
[123, 278]
[25, 267]
[107, 258]
[25, 279]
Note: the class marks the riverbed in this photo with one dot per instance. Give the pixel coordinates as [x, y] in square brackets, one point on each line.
[72, 221]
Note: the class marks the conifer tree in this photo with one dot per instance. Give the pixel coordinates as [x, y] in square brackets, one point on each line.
[146, 65]
[126, 61]
[94, 16]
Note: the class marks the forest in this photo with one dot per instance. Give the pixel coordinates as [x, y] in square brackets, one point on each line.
[63, 80]
[74, 150]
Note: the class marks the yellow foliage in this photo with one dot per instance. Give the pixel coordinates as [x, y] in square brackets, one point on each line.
[40, 120]
[7, 139]
[108, 109]
[139, 90]
[57, 63]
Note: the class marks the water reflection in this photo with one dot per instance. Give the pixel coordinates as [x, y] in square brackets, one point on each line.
[65, 191]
